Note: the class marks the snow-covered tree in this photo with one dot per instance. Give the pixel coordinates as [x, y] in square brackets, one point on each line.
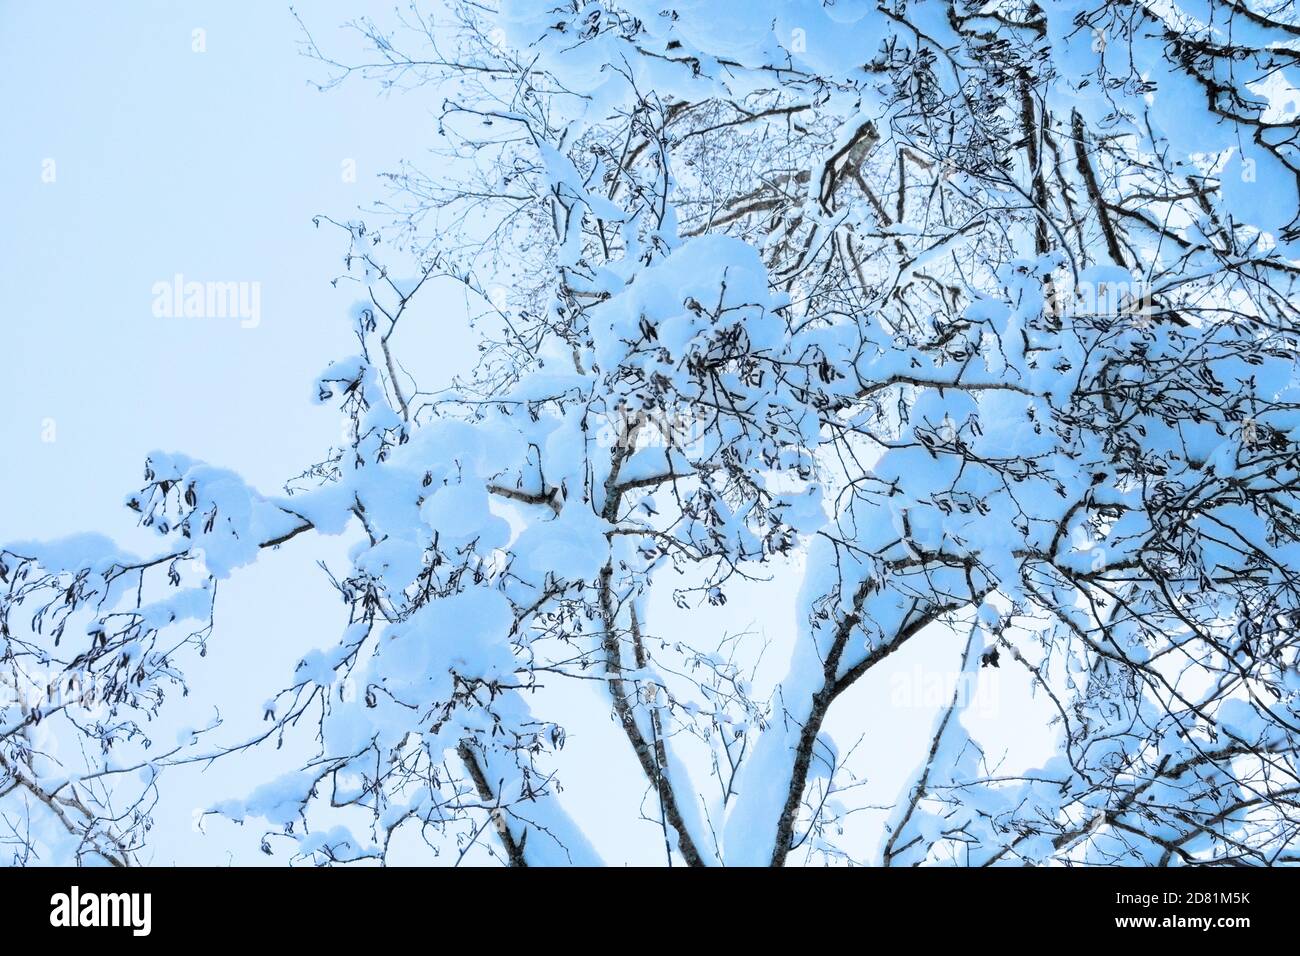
[973, 320]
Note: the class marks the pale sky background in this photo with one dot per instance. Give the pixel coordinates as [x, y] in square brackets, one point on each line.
[212, 165]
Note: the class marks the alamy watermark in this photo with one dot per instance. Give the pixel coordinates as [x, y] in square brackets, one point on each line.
[178, 298]
[680, 427]
[1130, 297]
[51, 690]
[75, 908]
[927, 688]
